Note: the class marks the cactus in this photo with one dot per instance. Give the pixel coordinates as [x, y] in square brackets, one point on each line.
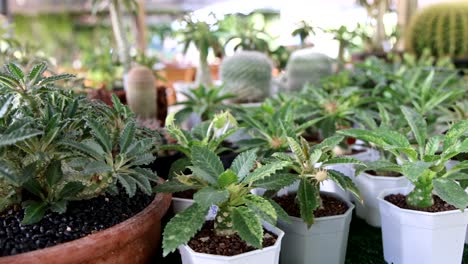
[247, 74]
[141, 92]
[441, 28]
[305, 66]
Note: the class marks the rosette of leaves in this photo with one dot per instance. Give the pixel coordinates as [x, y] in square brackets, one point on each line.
[423, 160]
[309, 166]
[203, 101]
[239, 211]
[269, 126]
[56, 146]
[210, 134]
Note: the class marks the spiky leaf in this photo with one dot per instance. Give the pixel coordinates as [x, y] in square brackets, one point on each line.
[451, 192]
[417, 123]
[209, 196]
[206, 164]
[243, 163]
[265, 171]
[309, 200]
[227, 178]
[248, 226]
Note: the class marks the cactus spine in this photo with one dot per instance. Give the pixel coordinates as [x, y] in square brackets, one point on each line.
[305, 66]
[141, 92]
[441, 28]
[247, 74]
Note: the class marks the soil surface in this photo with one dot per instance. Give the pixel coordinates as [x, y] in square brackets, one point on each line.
[438, 206]
[206, 241]
[81, 219]
[384, 173]
[331, 205]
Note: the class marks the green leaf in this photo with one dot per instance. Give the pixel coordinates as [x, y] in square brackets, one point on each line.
[276, 181]
[344, 182]
[297, 150]
[84, 148]
[34, 212]
[59, 206]
[17, 136]
[54, 173]
[330, 142]
[262, 207]
[9, 174]
[128, 183]
[451, 192]
[127, 136]
[178, 167]
[101, 135]
[457, 176]
[309, 200]
[248, 226]
[36, 72]
[280, 212]
[454, 133]
[342, 160]
[207, 163]
[243, 163]
[432, 145]
[182, 227]
[33, 186]
[55, 78]
[414, 170]
[71, 189]
[227, 178]
[365, 135]
[96, 167]
[172, 186]
[209, 196]
[15, 71]
[142, 182]
[417, 123]
[265, 171]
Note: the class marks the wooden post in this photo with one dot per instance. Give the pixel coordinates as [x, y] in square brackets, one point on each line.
[141, 26]
[405, 10]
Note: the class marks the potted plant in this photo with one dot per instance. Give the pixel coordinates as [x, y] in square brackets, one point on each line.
[71, 178]
[429, 209]
[319, 220]
[211, 134]
[303, 30]
[238, 214]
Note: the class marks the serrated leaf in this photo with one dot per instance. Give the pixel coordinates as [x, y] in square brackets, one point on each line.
[36, 72]
[417, 124]
[342, 160]
[309, 200]
[454, 133]
[227, 178]
[71, 189]
[344, 182]
[127, 136]
[451, 192]
[432, 145]
[53, 173]
[82, 148]
[209, 196]
[96, 167]
[243, 163]
[142, 182]
[101, 135]
[365, 135]
[143, 159]
[297, 150]
[182, 227]
[457, 176]
[265, 171]
[59, 206]
[248, 226]
[280, 212]
[17, 136]
[276, 181]
[206, 164]
[172, 186]
[55, 78]
[414, 170]
[329, 143]
[262, 207]
[178, 167]
[34, 212]
[128, 183]
[15, 71]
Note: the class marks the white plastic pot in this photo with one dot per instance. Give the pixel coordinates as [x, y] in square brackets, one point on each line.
[325, 242]
[180, 204]
[370, 187]
[259, 256]
[411, 237]
[348, 170]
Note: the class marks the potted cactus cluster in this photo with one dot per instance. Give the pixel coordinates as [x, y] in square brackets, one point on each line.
[72, 184]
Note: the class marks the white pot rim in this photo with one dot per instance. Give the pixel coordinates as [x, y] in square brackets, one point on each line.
[404, 191]
[267, 226]
[181, 199]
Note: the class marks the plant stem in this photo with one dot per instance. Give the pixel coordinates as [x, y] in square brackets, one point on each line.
[119, 34]
[223, 222]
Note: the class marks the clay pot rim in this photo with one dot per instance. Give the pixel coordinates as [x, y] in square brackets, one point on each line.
[158, 206]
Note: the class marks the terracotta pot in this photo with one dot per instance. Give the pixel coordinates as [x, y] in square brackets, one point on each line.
[134, 241]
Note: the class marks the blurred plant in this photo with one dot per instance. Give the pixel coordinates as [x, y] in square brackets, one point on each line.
[345, 38]
[205, 37]
[303, 30]
[248, 36]
[376, 10]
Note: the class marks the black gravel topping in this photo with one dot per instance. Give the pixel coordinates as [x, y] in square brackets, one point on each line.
[81, 219]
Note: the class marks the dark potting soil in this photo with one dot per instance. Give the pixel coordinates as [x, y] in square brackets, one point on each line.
[81, 219]
[331, 205]
[188, 194]
[206, 241]
[438, 206]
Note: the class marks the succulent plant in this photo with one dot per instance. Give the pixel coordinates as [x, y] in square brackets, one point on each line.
[305, 66]
[441, 28]
[247, 74]
[141, 92]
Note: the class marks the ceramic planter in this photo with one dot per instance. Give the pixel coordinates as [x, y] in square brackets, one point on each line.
[133, 241]
[265, 255]
[325, 242]
[348, 169]
[420, 237]
[371, 186]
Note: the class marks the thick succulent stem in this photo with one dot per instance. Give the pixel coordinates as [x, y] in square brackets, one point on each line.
[421, 196]
[203, 72]
[223, 222]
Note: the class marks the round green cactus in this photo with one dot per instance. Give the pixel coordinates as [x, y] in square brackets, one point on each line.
[441, 28]
[247, 74]
[305, 66]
